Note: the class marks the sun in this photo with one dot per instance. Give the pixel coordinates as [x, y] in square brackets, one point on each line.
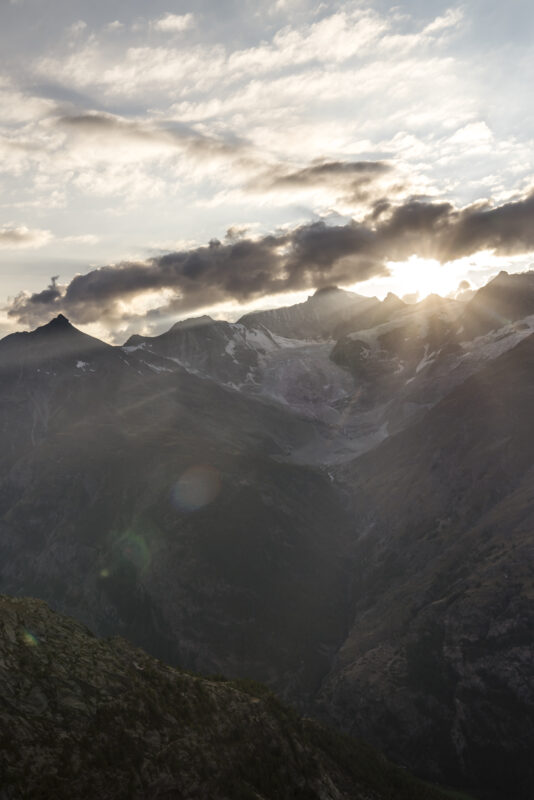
[417, 277]
[422, 276]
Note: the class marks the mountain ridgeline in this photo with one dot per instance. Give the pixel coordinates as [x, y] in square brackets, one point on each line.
[333, 498]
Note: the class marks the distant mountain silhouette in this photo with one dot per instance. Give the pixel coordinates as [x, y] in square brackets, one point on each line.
[505, 299]
[317, 318]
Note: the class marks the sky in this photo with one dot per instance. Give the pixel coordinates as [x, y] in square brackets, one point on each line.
[160, 160]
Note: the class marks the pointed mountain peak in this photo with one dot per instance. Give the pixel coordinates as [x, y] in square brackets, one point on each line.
[59, 322]
[57, 340]
[503, 275]
[392, 298]
[57, 326]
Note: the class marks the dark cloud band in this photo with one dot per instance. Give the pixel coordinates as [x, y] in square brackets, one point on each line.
[307, 257]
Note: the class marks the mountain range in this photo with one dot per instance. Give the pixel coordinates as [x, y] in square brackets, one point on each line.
[334, 498]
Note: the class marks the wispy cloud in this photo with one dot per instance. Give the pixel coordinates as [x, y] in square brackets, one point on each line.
[19, 236]
[173, 23]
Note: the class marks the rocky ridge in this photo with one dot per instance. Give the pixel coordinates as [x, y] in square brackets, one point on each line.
[85, 717]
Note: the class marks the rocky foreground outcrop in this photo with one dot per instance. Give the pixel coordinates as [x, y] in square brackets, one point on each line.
[82, 717]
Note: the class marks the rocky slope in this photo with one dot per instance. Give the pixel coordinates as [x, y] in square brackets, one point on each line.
[84, 717]
[293, 372]
[229, 353]
[316, 318]
[369, 315]
[403, 366]
[440, 654]
[504, 300]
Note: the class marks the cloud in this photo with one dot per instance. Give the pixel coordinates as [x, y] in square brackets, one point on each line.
[110, 129]
[439, 230]
[334, 39]
[451, 19]
[20, 236]
[349, 182]
[20, 108]
[107, 154]
[77, 28]
[315, 87]
[116, 25]
[240, 269]
[173, 23]
[113, 142]
[507, 229]
[330, 171]
[309, 256]
[83, 238]
[49, 295]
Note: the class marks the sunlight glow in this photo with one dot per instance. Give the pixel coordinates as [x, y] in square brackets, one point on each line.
[145, 301]
[424, 276]
[418, 277]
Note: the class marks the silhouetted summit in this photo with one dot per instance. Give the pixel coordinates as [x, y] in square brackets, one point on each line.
[505, 299]
[58, 341]
[316, 318]
[59, 322]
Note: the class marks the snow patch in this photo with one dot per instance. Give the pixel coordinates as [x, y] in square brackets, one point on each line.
[497, 342]
[156, 368]
[230, 348]
[131, 348]
[426, 360]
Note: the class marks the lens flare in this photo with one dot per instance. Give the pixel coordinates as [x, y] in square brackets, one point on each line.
[134, 548]
[29, 638]
[197, 487]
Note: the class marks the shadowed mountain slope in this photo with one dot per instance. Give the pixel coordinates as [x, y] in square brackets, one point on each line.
[55, 343]
[440, 655]
[507, 298]
[369, 315]
[161, 506]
